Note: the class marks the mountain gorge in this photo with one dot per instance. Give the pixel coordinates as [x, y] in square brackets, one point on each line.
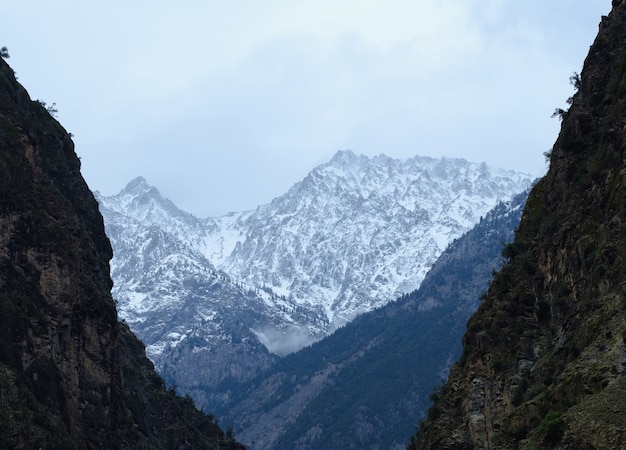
[241, 289]
[333, 316]
[71, 375]
[544, 357]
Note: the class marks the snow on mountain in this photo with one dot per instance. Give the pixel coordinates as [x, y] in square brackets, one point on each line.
[358, 232]
[197, 323]
[354, 234]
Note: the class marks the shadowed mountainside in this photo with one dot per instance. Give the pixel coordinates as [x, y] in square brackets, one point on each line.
[544, 358]
[71, 376]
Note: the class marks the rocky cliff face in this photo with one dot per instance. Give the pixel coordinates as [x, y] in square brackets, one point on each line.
[544, 357]
[71, 376]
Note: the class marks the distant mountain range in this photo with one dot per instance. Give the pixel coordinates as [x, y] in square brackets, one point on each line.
[239, 290]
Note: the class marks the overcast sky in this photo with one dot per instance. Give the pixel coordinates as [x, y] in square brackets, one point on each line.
[223, 105]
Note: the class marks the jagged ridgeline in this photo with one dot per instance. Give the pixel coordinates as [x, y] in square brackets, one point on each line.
[71, 376]
[544, 357]
[217, 300]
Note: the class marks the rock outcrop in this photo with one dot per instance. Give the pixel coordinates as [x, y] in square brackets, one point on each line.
[71, 375]
[544, 358]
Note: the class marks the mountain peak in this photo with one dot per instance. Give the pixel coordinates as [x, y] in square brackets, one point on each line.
[347, 158]
[145, 203]
[343, 156]
[138, 186]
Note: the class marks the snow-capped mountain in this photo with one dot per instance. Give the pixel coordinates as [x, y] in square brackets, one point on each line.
[356, 233]
[197, 323]
[227, 292]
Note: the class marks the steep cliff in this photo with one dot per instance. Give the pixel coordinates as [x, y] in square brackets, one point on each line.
[544, 357]
[71, 376]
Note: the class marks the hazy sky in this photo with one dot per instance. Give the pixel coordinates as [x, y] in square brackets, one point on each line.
[223, 105]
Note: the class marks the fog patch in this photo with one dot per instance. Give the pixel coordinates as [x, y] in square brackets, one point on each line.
[283, 341]
[428, 304]
[290, 339]
[340, 321]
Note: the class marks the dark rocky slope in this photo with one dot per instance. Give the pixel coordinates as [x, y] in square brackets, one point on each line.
[544, 358]
[71, 376]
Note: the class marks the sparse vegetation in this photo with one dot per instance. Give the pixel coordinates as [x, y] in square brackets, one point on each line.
[551, 428]
[559, 112]
[51, 109]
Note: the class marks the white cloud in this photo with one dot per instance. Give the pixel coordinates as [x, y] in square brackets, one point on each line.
[224, 105]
